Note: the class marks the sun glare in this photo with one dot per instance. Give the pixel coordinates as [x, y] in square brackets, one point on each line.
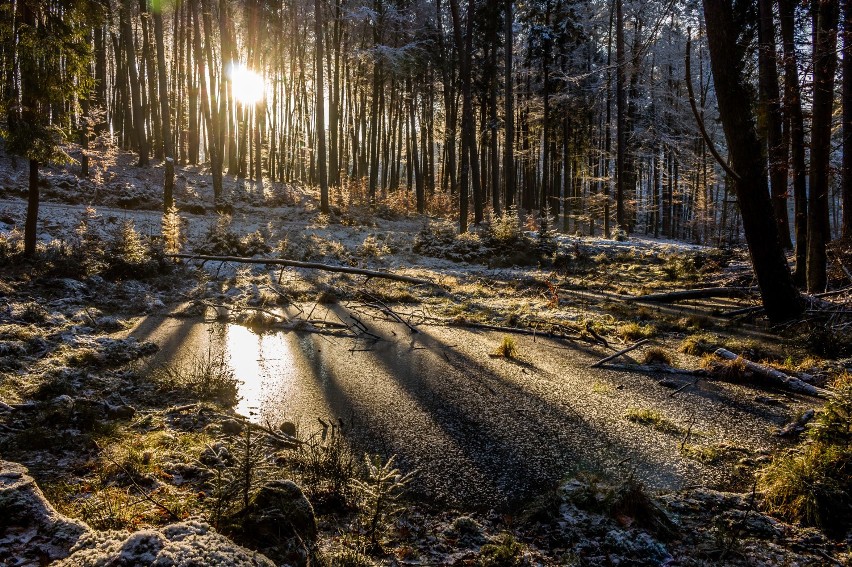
[246, 85]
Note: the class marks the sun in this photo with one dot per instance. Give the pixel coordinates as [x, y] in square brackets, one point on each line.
[247, 86]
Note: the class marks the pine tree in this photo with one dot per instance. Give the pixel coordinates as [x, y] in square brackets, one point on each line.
[45, 78]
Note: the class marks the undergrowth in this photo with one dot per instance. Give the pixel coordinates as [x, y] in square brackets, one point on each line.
[812, 483]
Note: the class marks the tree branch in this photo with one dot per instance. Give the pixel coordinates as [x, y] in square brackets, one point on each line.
[698, 118]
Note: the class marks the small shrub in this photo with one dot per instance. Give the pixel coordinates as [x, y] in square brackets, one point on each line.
[679, 268]
[173, 237]
[506, 228]
[373, 247]
[128, 255]
[380, 494]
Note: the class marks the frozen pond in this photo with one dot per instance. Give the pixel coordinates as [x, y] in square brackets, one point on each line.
[483, 432]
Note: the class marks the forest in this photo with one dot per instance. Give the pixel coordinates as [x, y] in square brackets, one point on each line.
[422, 282]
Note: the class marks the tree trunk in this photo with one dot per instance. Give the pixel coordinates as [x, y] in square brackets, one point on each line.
[780, 297]
[467, 115]
[620, 117]
[32, 210]
[165, 113]
[770, 99]
[846, 184]
[796, 121]
[136, 100]
[508, 150]
[150, 72]
[825, 64]
[320, 109]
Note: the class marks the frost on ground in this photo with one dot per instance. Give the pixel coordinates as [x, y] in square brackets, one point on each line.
[99, 429]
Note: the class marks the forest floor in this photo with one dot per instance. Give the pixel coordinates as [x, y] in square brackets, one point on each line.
[139, 391]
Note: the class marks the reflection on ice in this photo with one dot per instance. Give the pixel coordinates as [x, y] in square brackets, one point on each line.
[264, 366]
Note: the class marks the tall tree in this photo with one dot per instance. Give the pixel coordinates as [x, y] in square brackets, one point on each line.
[509, 112]
[770, 100]
[735, 98]
[825, 64]
[45, 70]
[467, 113]
[846, 182]
[135, 85]
[165, 111]
[620, 117]
[320, 108]
[796, 134]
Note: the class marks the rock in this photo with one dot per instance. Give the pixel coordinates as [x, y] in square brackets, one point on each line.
[232, 427]
[119, 411]
[279, 511]
[216, 455]
[33, 532]
[288, 428]
[182, 544]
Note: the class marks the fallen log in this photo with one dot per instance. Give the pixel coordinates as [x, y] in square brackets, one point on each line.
[619, 353]
[776, 376]
[306, 265]
[698, 293]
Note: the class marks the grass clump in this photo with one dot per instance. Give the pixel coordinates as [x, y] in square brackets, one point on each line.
[112, 508]
[205, 378]
[504, 551]
[348, 558]
[812, 484]
[734, 370]
[507, 348]
[656, 355]
[697, 345]
[704, 454]
[635, 331]
[652, 418]
[327, 468]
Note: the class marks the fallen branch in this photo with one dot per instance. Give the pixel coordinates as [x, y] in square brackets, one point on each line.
[382, 306]
[699, 293]
[657, 369]
[306, 265]
[743, 311]
[619, 353]
[513, 330]
[776, 376]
